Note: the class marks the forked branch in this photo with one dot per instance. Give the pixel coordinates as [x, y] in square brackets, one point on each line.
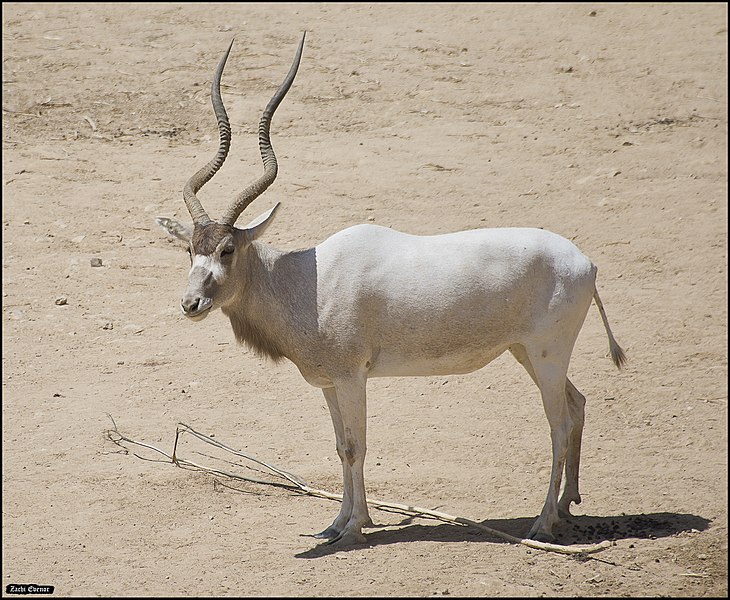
[295, 483]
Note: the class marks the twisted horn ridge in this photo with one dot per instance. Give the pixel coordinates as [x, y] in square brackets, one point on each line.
[197, 181]
[254, 190]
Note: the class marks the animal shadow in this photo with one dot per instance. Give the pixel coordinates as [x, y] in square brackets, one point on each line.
[584, 529]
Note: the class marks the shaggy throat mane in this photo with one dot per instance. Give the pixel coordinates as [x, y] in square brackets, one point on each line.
[254, 337]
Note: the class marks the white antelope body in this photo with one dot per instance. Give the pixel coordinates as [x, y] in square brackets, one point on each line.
[373, 302]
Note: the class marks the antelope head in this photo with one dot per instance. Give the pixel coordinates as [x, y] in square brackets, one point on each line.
[218, 248]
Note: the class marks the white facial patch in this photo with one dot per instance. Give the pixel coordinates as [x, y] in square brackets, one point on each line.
[208, 264]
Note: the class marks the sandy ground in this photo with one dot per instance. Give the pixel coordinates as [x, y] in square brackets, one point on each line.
[604, 123]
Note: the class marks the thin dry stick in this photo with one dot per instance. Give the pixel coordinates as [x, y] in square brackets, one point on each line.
[182, 428]
[91, 122]
[115, 436]
[298, 484]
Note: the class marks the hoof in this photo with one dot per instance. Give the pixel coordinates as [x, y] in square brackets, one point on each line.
[349, 538]
[539, 533]
[541, 536]
[564, 512]
[564, 505]
[327, 534]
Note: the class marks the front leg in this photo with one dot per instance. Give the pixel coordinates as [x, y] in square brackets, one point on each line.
[346, 402]
[334, 530]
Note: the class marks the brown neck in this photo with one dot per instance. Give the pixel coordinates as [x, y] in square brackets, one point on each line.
[275, 312]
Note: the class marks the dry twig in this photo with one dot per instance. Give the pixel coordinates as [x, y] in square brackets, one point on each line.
[91, 122]
[295, 483]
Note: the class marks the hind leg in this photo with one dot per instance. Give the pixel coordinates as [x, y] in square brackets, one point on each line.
[576, 409]
[548, 365]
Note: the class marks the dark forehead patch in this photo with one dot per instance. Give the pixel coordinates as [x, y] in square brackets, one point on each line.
[207, 237]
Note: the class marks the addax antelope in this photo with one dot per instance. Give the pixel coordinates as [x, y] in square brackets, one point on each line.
[373, 302]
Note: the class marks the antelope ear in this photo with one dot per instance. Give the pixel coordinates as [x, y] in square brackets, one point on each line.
[255, 228]
[175, 228]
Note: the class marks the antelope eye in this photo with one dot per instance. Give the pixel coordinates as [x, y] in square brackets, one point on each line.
[226, 251]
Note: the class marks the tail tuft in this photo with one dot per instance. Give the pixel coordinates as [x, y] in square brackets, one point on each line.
[618, 356]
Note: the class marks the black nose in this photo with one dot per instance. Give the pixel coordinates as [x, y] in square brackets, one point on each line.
[190, 305]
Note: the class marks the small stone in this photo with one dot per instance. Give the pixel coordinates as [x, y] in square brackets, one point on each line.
[61, 301]
[593, 13]
[95, 262]
[108, 325]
